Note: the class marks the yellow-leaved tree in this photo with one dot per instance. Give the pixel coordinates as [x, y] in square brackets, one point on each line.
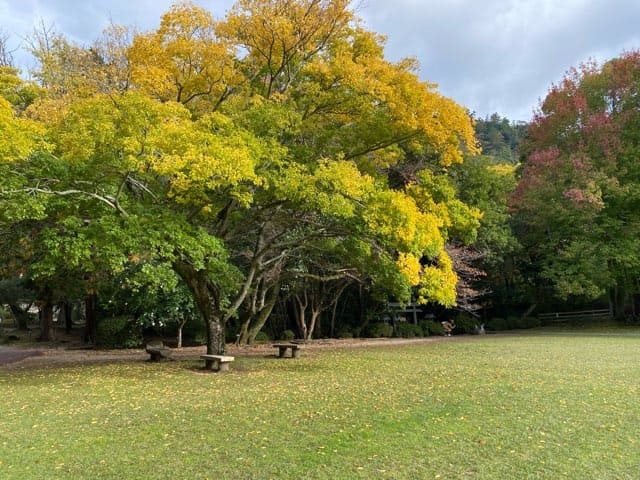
[253, 154]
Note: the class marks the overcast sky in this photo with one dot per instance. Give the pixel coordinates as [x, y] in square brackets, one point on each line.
[489, 55]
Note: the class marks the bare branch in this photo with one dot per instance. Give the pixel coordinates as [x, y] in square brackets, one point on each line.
[111, 202]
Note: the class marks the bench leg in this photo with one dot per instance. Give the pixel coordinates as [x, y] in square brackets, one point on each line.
[223, 367]
[283, 350]
[295, 353]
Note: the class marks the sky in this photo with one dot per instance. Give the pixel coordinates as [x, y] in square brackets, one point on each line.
[489, 55]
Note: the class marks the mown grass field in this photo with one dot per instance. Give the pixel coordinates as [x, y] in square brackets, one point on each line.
[492, 407]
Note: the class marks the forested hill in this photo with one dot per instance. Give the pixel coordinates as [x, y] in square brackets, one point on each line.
[499, 137]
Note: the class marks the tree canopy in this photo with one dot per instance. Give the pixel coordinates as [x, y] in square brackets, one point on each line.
[246, 153]
[577, 201]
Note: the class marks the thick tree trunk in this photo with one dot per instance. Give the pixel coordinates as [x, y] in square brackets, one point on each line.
[91, 316]
[46, 319]
[21, 316]
[206, 299]
[215, 336]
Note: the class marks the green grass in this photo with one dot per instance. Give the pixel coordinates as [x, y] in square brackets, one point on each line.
[492, 407]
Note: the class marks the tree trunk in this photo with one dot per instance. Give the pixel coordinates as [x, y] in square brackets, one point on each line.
[206, 299]
[67, 314]
[21, 316]
[300, 307]
[315, 314]
[215, 336]
[529, 310]
[46, 319]
[263, 316]
[245, 321]
[181, 325]
[91, 316]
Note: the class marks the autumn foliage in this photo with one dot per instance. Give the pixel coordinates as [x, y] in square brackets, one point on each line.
[250, 153]
[577, 199]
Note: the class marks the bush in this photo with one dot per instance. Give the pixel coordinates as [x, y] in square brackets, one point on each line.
[380, 330]
[497, 324]
[288, 335]
[528, 322]
[408, 330]
[195, 331]
[431, 327]
[119, 332]
[262, 337]
[513, 322]
[466, 323]
[345, 332]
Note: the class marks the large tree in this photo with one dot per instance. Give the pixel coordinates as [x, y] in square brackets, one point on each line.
[240, 147]
[577, 201]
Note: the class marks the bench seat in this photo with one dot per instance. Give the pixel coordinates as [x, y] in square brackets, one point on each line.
[158, 352]
[217, 363]
[282, 349]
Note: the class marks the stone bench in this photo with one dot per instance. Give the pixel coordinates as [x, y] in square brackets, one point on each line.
[217, 363]
[282, 349]
[158, 352]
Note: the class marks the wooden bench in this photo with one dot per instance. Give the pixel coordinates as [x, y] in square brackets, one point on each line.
[282, 349]
[217, 363]
[158, 352]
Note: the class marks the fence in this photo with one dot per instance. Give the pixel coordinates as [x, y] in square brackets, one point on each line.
[557, 317]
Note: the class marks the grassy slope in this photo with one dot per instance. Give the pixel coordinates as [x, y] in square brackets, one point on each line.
[491, 407]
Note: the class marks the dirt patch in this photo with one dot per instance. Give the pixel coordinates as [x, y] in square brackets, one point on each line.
[48, 356]
[13, 354]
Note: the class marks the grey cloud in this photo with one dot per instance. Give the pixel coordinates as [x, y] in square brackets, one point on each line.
[491, 55]
[500, 55]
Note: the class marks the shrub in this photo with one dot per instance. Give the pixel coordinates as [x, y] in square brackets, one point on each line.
[262, 337]
[431, 327]
[288, 335]
[408, 330]
[195, 331]
[119, 332]
[466, 323]
[513, 322]
[345, 332]
[497, 324]
[379, 330]
[528, 322]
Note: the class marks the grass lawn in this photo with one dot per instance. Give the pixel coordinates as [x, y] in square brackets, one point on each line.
[491, 407]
